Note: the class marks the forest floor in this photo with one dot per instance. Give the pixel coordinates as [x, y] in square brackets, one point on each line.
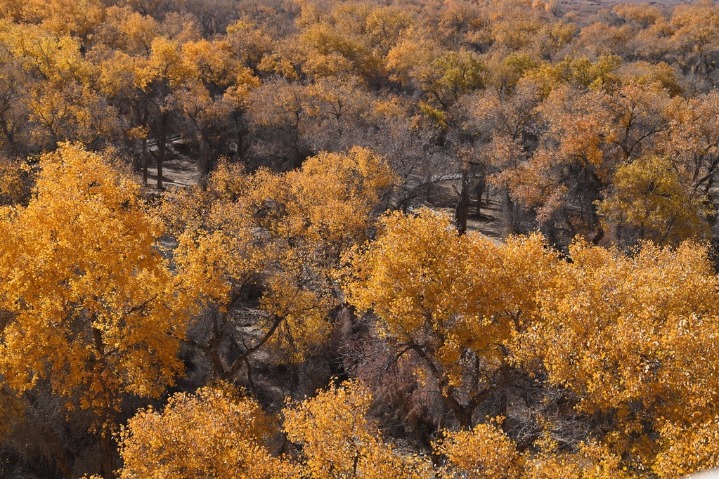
[178, 172]
[489, 224]
[490, 220]
[178, 169]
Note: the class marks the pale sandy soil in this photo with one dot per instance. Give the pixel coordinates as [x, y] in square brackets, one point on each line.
[180, 172]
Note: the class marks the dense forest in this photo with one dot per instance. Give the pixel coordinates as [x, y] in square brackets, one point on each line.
[325, 239]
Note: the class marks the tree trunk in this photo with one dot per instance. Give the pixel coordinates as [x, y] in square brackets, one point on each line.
[10, 137]
[204, 162]
[161, 147]
[481, 187]
[599, 235]
[510, 213]
[144, 161]
[107, 456]
[461, 212]
[241, 132]
[462, 414]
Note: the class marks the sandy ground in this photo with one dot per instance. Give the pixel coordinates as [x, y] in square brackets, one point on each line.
[178, 169]
[179, 172]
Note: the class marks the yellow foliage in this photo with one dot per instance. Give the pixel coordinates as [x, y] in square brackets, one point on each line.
[485, 452]
[165, 63]
[212, 433]
[290, 228]
[420, 277]
[454, 301]
[338, 441]
[65, 17]
[649, 196]
[591, 461]
[57, 58]
[580, 72]
[91, 302]
[337, 193]
[630, 334]
[687, 449]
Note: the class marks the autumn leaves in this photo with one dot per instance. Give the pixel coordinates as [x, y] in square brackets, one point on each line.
[93, 311]
[165, 329]
[629, 335]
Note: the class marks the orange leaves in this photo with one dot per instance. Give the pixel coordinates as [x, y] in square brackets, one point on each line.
[337, 193]
[455, 301]
[406, 275]
[569, 125]
[591, 461]
[163, 64]
[687, 449]
[212, 433]
[339, 442]
[219, 433]
[332, 429]
[631, 335]
[92, 300]
[420, 277]
[587, 135]
[289, 229]
[623, 332]
[483, 452]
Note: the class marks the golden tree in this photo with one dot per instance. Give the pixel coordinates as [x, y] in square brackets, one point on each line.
[289, 229]
[339, 442]
[648, 199]
[633, 336]
[483, 452]
[486, 452]
[451, 301]
[215, 432]
[90, 305]
[687, 448]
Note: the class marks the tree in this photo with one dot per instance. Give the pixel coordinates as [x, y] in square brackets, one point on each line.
[687, 448]
[694, 36]
[55, 93]
[213, 95]
[214, 432]
[15, 181]
[91, 307]
[441, 76]
[591, 460]
[504, 129]
[62, 17]
[587, 137]
[339, 442]
[648, 199]
[630, 335]
[343, 39]
[483, 452]
[13, 101]
[336, 112]
[692, 142]
[127, 31]
[157, 77]
[290, 229]
[452, 302]
[277, 111]
[486, 451]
